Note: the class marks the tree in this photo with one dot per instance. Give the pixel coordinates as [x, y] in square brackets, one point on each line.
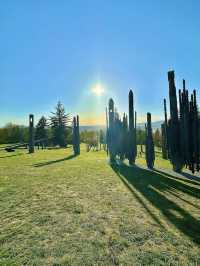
[41, 130]
[59, 123]
[141, 138]
[157, 138]
[90, 138]
[12, 133]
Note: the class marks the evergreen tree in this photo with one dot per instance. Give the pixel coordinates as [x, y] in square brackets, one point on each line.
[41, 130]
[59, 124]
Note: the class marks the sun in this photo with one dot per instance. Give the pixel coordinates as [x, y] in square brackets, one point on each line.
[98, 90]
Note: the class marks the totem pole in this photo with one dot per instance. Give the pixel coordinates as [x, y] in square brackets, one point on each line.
[31, 133]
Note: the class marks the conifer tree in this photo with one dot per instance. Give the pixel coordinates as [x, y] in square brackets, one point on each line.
[41, 128]
[41, 131]
[59, 123]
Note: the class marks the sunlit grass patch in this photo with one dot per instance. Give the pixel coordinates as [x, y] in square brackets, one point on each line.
[56, 209]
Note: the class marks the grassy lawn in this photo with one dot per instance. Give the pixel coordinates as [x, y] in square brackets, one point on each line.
[56, 209]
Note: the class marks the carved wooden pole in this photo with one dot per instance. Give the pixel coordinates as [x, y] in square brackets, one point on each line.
[174, 127]
[106, 131]
[132, 141]
[78, 135]
[111, 140]
[150, 153]
[31, 133]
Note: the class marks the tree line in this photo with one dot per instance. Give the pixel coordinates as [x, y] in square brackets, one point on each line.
[56, 129]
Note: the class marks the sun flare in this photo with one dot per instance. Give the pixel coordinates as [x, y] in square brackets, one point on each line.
[98, 90]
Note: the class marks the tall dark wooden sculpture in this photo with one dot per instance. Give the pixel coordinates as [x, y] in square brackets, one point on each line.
[76, 136]
[174, 128]
[183, 129]
[111, 130]
[31, 133]
[121, 135]
[106, 131]
[132, 131]
[164, 130]
[135, 134]
[150, 153]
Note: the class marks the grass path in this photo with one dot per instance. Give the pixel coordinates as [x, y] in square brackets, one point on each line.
[56, 209]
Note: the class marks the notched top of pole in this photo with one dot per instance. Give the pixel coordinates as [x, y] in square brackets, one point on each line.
[171, 75]
[111, 104]
[149, 117]
[183, 84]
[31, 119]
[130, 96]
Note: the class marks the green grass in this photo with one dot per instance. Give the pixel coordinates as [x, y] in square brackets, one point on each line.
[56, 209]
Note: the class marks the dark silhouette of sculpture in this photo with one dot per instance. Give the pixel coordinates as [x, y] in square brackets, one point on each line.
[31, 133]
[76, 135]
[132, 148]
[149, 151]
[165, 154]
[121, 135]
[182, 131]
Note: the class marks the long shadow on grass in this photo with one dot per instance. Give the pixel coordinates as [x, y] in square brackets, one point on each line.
[186, 177]
[152, 185]
[54, 161]
[13, 155]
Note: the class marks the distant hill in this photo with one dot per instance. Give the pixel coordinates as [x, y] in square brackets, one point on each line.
[92, 128]
[155, 125]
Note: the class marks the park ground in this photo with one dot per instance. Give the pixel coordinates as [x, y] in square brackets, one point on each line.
[56, 209]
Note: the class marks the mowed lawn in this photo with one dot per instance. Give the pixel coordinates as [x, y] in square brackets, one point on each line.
[56, 209]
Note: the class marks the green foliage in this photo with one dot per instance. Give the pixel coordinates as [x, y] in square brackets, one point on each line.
[59, 123]
[58, 132]
[140, 136]
[13, 133]
[88, 136]
[102, 137]
[41, 128]
[157, 138]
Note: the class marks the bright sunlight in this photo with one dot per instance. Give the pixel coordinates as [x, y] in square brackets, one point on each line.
[98, 90]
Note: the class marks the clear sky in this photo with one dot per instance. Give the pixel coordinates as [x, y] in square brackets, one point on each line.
[60, 50]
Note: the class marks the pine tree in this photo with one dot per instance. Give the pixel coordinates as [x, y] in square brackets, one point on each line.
[41, 131]
[41, 128]
[59, 124]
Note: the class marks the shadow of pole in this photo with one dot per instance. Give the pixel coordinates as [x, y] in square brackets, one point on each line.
[152, 186]
[186, 177]
[54, 161]
[13, 155]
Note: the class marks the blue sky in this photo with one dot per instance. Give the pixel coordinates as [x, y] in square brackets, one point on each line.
[60, 50]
